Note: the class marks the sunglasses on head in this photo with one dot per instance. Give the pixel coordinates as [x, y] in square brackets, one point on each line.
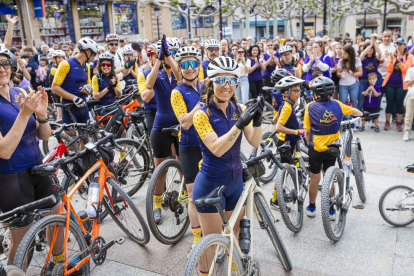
[224, 79]
[113, 44]
[106, 65]
[5, 63]
[186, 64]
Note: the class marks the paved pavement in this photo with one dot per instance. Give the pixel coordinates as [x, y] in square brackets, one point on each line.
[369, 245]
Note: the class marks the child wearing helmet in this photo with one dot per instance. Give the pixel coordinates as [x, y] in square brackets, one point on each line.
[322, 123]
[287, 124]
[130, 71]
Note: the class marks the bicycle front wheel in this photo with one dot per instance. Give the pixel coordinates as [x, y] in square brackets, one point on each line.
[333, 212]
[271, 168]
[125, 213]
[391, 206]
[174, 208]
[207, 251]
[34, 247]
[267, 222]
[358, 172]
[287, 197]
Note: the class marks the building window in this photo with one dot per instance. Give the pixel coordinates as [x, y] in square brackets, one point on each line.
[54, 27]
[91, 23]
[125, 19]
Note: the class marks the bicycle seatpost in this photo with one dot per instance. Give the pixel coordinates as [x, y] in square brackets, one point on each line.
[222, 215]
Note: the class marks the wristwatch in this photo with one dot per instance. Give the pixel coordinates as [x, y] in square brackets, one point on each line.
[23, 67]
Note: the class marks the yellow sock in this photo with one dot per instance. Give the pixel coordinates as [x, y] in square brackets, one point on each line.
[196, 233]
[202, 273]
[274, 198]
[58, 258]
[232, 265]
[185, 193]
[157, 201]
[121, 155]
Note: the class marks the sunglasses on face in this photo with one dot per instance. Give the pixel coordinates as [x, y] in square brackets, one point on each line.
[108, 65]
[173, 52]
[240, 52]
[224, 79]
[213, 50]
[113, 44]
[186, 64]
[297, 91]
[6, 64]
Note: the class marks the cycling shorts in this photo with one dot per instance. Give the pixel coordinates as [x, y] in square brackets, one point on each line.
[320, 160]
[189, 159]
[81, 115]
[22, 188]
[161, 144]
[230, 196]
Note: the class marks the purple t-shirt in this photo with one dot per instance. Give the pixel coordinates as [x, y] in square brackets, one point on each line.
[396, 79]
[324, 59]
[370, 100]
[256, 75]
[270, 68]
[369, 65]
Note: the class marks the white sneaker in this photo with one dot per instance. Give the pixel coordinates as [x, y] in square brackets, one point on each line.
[371, 124]
[406, 136]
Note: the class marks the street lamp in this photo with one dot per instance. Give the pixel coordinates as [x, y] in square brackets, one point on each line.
[157, 15]
[385, 16]
[188, 4]
[365, 5]
[221, 20]
[325, 7]
[192, 9]
[255, 20]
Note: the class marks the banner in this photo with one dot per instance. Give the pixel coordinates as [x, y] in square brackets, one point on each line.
[178, 20]
[39, 8]
[7, 9]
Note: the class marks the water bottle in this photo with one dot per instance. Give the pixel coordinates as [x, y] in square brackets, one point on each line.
[93, 199]
[244, 235]
[86, 221]
[296, 159]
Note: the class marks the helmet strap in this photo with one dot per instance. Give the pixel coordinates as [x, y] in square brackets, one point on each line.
[218, 100]
[288, 99]
[188, 79]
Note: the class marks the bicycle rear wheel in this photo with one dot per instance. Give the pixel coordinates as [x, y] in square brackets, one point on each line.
[358, 172]
[207, 251]
[36, 249]
[126, 214]
[390, 205]
[333, 212]
[132, 165]
[267, 222]
[174, 212]
[287, 197]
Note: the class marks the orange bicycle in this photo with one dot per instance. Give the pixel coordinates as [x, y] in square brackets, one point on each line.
[64, 244]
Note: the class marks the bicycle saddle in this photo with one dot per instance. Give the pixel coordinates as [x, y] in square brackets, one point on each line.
[48, 169]
[137, 114]
[92, 103]
[213, 198]
[64, 105]
[335, 144]
[174, 130]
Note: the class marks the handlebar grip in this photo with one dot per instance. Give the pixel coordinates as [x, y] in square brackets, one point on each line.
[30, 207]
[111, 138]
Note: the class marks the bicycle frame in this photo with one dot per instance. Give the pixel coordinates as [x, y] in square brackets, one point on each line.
[67, 210]
[251, 187]
[181, 197]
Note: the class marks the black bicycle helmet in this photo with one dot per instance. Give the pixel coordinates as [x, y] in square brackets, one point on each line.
[279, 74]
[322, 87]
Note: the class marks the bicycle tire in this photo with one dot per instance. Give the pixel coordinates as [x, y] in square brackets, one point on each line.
[268, 223]
[11, 270]
[358, 172]
[132, 133]
[157, 229]
[283, 198]
[269, 164]
[267, 115]
[117, 190]
[333, 234]
[46, 145]
[51, 114]
[28, 240]
[382, 209]
[124, 170]
[192, 266]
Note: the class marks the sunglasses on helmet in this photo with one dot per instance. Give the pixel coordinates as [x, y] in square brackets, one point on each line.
[224, 79]
[186, 64]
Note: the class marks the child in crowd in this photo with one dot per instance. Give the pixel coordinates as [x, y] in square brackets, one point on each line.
[41, 72]
[372, 102]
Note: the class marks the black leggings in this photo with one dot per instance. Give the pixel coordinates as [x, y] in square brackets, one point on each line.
[22, 188]
[189, 159]
[255, 88]
[149, 119]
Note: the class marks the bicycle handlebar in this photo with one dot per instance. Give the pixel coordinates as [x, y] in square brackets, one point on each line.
[347, 122]
[29, 207]
[63, 127]
[267, 153]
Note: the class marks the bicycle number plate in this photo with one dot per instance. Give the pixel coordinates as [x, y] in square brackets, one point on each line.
[90, 146]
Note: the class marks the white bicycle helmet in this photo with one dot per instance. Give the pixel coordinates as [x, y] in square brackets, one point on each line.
[172, 43]
[158, 45]
[285, 48]
[112, 37]
[223, 65]
[177, 40]
[212, 43]
[128, 51]
[188, 51]
[288, 82]
[5, 52]
[58, 53]
[106, 56]
[88, 44]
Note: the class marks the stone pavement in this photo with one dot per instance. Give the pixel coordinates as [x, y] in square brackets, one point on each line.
[369, 245]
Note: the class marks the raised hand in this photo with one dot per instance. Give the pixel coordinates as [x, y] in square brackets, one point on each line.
[41, 110]
[12, 20]
[29, 104]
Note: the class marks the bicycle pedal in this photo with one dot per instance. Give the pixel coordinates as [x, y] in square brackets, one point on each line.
[120, 241]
